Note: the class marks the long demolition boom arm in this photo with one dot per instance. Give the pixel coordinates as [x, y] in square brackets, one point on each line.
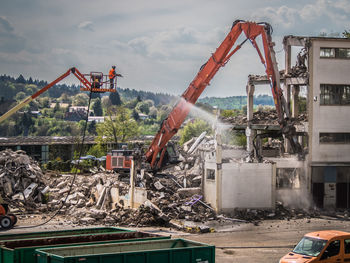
[27, 100]
[223, 53]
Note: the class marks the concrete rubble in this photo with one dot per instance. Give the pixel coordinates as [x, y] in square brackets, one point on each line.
[21, 180]
[173, 198]
[266, 117]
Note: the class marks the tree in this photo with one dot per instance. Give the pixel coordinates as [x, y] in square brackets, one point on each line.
[163, 112]
[121, 128]
[20, 96]
[97, 150]
[92, 128]
[80, 99]
[57, 107]
[135, 115]
[26, 123]
[106, 102]
[21, 79]
[153, 112]
[97, 107]
[143, 107]
[115, 98]
[346, 34]
[193, 129]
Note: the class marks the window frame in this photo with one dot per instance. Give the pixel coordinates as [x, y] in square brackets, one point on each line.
[346, 253]
[336, 53]
[330, 243]
[212, 175]
[345, 140]
[334, 94]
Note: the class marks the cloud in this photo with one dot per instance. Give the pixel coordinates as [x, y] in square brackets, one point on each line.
[9, 41]
[181, 43]
[5, 25]
[86, 25]
[307, 17]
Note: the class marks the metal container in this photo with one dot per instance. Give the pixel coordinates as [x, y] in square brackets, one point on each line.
[70, 232]
[163, 251]
[22, 251]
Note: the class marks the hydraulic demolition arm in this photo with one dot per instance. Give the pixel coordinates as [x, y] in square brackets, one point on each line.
[169, 127]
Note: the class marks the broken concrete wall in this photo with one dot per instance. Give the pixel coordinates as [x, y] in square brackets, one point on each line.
[140, 197]
[248, 185]
[292, 182]
[209, 184]
[243, 185]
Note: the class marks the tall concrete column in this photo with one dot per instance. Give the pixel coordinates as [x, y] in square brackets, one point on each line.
[287, 89]
[250, 134]
[295, 107]
[287, 94]
[218, 179]
[250, 101]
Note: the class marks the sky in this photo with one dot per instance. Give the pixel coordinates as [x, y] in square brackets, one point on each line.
[157, 45]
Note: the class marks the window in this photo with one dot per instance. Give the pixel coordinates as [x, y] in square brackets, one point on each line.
[310, 246]
[211, 174]
[327, 52]
[334, 94]
[344, 52]
[332, 250]
[288, 178]
[347, 246]
[329, 137]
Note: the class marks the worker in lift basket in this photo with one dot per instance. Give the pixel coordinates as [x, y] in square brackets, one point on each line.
[112, 74]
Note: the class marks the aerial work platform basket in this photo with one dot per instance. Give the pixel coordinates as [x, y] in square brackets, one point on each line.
[99, 83]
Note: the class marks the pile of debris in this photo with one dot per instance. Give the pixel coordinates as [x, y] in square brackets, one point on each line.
[280, 213]
[21, 180]
[262, 117]
[103, 199]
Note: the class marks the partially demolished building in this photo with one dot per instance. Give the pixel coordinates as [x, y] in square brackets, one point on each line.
[322, 178]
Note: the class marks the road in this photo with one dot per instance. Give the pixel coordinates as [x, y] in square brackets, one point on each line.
[266, 242]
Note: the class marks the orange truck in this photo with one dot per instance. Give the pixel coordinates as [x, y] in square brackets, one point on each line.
[329, 246]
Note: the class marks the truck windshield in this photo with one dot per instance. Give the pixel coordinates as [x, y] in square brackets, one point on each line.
[310, 246]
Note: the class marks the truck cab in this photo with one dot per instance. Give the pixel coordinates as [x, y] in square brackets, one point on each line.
[326, 246]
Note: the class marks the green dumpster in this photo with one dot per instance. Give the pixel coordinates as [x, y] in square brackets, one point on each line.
[162, 251]
[22, 251]
[70, 232]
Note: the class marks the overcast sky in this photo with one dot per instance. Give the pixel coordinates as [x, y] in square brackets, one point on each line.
[157, 45]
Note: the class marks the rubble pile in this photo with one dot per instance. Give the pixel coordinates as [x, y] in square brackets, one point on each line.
[21, 180]
[263, 118]
[281, 213]
[166, 201]
[104, 198]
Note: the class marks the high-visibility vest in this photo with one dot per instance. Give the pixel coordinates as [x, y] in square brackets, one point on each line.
[111, 73]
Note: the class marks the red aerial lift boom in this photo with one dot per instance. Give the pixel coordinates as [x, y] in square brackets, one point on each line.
[95, 84]
[158, 152]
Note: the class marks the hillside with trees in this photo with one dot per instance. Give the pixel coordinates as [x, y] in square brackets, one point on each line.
[126, 114]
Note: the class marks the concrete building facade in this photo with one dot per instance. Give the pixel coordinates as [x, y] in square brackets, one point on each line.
[329, 126]
[322, 178]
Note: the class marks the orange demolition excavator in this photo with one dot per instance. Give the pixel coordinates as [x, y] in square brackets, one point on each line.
[158, 153]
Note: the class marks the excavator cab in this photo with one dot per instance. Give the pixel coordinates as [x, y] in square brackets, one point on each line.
[99, 83]
[170, 158]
